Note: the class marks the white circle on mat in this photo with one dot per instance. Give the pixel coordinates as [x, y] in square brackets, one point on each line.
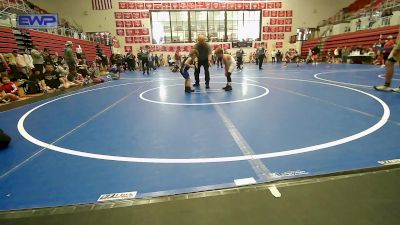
[382, 121]
[266, 91]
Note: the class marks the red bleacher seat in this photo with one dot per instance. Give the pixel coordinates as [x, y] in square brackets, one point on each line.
[363, 38]
[56, 43]
[7, 40]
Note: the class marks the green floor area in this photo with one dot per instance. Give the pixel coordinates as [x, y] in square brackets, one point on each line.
[359, 198]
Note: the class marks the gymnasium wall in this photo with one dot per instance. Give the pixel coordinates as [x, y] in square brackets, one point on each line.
[305, 13]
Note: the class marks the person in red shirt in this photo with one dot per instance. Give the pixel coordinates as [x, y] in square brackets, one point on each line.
[177, 58]
[8, 90]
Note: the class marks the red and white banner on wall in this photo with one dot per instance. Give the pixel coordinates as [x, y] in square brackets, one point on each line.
[119, 23]
[275, 29]
[168, 47]
[128, 48]
[131, 15]
[217, 5]
[279, 36]
[279, 45]
[277, 13]
[120, 32]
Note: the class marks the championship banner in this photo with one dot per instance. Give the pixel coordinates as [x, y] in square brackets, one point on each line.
[128, 48]
[128, 40]
[216, 5]
[131, 5]
[119, 23]
[120, 32]
[119, 15]
[128, 23]
[136, 15]
[137, 23]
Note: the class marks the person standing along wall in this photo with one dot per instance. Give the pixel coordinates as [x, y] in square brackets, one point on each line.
[260, 55]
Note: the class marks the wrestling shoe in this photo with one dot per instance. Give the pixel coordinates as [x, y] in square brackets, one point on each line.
[397, 90]
[383, 88]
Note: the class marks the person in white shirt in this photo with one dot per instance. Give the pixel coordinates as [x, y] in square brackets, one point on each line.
[273, 56]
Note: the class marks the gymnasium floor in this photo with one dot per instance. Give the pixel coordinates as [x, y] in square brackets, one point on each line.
[144, 134]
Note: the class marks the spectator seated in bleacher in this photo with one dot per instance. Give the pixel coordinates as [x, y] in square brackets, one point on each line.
[22, 66]
[62, 70]
[3, 65]
[94, 74]
[8, 90]
[386, 16]
[14, 75]
[51, 79]
[114, 73]
[75, 77]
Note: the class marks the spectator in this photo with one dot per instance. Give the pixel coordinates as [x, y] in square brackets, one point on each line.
[239, 57]
[156, 61]
[177, 58]
[130, 59]
[358, 24]
[279, 56]
[94, 74]
[145, 52]
[3, 65]
[273, 56]
[69, 56]
[336, 54]
[169, 59]
[315, 53]
[260, 55]
[29, 61]
[62, 70]
[22, 66]
[12, 63]
[51, 79]
[8, 90]
[386, 16]
[75, 77]
[371, 21]
[162, 60]
[46, 56]
[38, 61]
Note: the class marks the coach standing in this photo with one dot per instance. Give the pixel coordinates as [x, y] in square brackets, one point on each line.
[204, 60]
[69, 56]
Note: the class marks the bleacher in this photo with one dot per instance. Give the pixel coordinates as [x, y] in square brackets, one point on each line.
[7, 40]
[56, 43]
[363, 38]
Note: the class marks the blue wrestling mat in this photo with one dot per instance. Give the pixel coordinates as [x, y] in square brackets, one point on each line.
[144, 135]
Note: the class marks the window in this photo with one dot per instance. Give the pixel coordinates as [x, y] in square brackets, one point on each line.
[179, 26]
[243, 25]
[218, 26]
[161, 27]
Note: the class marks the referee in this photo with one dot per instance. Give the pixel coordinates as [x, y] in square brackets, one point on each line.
[204, 50]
